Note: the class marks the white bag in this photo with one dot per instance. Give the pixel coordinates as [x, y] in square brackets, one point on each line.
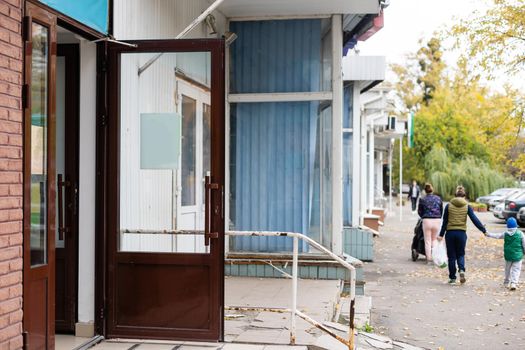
[439, 254]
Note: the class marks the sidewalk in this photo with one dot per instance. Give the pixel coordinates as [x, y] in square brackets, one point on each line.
[413, 302]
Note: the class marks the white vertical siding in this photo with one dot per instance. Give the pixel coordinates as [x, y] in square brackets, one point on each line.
[145, 195]
[87, 176]
[160, 19]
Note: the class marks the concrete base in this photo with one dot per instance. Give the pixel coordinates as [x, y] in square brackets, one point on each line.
[85, 329]
[372, 221]
[379, 212]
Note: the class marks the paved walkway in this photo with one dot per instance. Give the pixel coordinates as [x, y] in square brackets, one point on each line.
[412, 302]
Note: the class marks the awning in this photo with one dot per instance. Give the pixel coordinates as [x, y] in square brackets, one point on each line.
[366, 71]
[92, 13]
[296, 8]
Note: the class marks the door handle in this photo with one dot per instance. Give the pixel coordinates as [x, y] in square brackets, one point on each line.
[208, 186]
[61, 226]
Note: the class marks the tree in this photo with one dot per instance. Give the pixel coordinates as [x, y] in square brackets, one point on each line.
[419, 77]
[471, 123]
[495, 39]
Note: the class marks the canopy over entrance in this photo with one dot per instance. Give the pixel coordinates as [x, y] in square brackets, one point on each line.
[275, 8]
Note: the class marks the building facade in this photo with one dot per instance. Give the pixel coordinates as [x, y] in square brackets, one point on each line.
[123, 125]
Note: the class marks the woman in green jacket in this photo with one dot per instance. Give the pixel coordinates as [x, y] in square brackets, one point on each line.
[455, 227]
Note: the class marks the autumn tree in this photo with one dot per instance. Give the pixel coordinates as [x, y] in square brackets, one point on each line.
[495, 39]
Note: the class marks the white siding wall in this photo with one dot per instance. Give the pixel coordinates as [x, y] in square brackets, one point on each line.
[160, 19]
[87, 176]
[145, 195]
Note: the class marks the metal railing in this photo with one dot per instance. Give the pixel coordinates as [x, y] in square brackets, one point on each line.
[293, 311]
[294, 277]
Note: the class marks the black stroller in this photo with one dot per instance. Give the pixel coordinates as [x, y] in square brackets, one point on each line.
[418, 242]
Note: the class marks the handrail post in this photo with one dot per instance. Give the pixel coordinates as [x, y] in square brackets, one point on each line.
[351, 336]
[294, 288]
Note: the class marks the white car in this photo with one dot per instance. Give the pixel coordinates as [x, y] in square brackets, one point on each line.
[498, 211]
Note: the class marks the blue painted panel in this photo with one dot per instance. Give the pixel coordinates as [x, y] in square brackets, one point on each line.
[276, 56]
[93, 13]
[271, 171]
[273, 145]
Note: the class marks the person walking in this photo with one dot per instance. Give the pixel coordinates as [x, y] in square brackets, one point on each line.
[513, 250]
[455, 226]
[430, 210]
[413, 195]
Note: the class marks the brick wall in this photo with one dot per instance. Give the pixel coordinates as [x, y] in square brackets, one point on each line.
[11, 64]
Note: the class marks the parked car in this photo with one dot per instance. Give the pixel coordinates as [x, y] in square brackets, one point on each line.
[521, 217]
[513, 205]
[497, 197]
[498, 211]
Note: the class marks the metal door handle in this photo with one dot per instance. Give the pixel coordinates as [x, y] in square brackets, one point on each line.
[208, 187]
[61, 226]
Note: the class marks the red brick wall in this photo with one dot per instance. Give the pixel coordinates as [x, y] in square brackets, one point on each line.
[11, 63]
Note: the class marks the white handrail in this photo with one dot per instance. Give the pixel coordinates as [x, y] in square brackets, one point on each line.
[321, 248]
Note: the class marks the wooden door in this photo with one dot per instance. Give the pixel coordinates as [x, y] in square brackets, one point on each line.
[161, 284]
[39, 178]
[66, 256]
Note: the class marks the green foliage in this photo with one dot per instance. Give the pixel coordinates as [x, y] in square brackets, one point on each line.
[464, 133]
[495, 39]
[367, 328]
[446, 173]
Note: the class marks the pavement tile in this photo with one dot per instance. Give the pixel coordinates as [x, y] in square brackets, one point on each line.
[149, 346]
[285, 347]
[261, 336]
[113, 346]
[242, 347]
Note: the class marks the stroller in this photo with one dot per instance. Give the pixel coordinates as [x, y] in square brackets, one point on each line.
[418, 242]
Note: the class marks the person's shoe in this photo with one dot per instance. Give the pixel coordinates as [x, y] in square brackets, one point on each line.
[462, 277]
[512, 286]
[452, 281]
[506, 284]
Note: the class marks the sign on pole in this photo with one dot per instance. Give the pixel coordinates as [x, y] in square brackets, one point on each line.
[410, 140]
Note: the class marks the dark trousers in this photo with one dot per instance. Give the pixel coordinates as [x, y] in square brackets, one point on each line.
[456, 241]
[414, 202]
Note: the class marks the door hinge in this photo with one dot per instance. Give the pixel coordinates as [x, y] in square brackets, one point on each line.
[103, 120]
[103, 67]
[102, 313]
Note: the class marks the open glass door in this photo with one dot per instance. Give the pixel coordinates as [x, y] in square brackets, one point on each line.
[165, 223]
[39, 178]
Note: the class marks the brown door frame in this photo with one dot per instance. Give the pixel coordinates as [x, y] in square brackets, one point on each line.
[31, 323]
[108, 190]
[70, 212]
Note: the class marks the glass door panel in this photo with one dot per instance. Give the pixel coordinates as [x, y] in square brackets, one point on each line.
[39, 129]
[163, 146]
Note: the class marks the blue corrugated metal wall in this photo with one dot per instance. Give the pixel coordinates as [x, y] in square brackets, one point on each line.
[276, 56]
[273, 144]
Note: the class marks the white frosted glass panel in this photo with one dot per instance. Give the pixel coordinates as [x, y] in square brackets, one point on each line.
[159, 140]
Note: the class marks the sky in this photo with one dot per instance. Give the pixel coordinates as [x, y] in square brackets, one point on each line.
[407, 21]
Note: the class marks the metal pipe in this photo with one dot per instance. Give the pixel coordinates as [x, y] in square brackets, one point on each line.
[186, 30]
[401, 179]
[294, 289]
[390, 177]
[90, 343]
